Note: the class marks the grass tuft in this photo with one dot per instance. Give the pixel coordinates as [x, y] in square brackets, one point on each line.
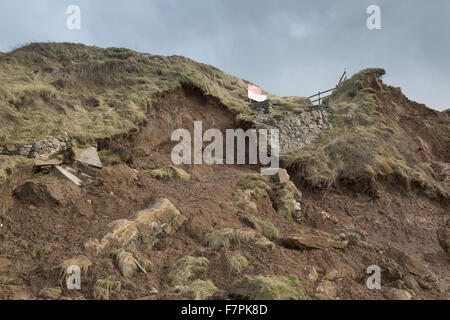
[236, 263]
[268, 288]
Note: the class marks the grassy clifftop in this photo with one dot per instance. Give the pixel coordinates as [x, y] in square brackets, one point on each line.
[90, 92]
[367, 143]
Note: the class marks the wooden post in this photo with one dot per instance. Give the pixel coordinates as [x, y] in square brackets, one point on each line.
[319, 97]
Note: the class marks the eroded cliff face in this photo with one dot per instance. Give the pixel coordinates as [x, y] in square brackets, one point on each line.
[136, 227]
[365, 185]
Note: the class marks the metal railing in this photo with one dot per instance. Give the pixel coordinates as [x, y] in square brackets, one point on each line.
[321, 98]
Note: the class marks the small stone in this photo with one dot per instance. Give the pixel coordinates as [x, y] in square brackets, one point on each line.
[397, 294]
[311, 274]
[67, 175]
[89, 157]
[411, 283]
[326, 290]
[310, 241]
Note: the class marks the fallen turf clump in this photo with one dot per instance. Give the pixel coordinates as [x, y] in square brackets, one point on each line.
[104, 289]
[187, 278]
[267, 288]
[236, 263]
[170, 172]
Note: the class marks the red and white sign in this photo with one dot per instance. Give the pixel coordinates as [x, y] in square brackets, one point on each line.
[255, 93]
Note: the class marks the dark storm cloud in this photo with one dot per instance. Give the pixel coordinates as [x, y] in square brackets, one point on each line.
[286, 47]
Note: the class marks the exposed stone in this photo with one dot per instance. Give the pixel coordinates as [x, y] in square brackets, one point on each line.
[47, 163]
[44, 149]
[397, 294]
[310, 241]
[88, 156]
[311, 274]
[411, 283]
[298, 129]
[411, 264]
[69, 176]
[326, 290]
[162, 216]
[85, 169]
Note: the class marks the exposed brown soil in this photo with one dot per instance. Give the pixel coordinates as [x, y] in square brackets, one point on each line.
[65, 221]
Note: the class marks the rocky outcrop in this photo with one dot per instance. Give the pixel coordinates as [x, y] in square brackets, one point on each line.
[312, 241]
[88, 156]
[297, 129]
[44, 148]
[411, 264]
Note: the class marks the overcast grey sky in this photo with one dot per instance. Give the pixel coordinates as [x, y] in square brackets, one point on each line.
[288, 47]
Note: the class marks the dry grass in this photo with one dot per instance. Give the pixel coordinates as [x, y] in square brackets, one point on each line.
[266, 228]
[229, 237]
[188, 269]
[236, 263]
[105, 289]
[169, 173]
[268, 288]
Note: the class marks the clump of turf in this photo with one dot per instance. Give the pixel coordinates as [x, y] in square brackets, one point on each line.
[197, 290]
[83, 262]
[187, 278]
[236, 263]
[284, 198]
[38, 253]
[104, 289]
[267, 288]
[252, 184]
[50, 293]
[169, 173]
[227, 237]
[267, 229]
[187, 269]
[113, 156]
